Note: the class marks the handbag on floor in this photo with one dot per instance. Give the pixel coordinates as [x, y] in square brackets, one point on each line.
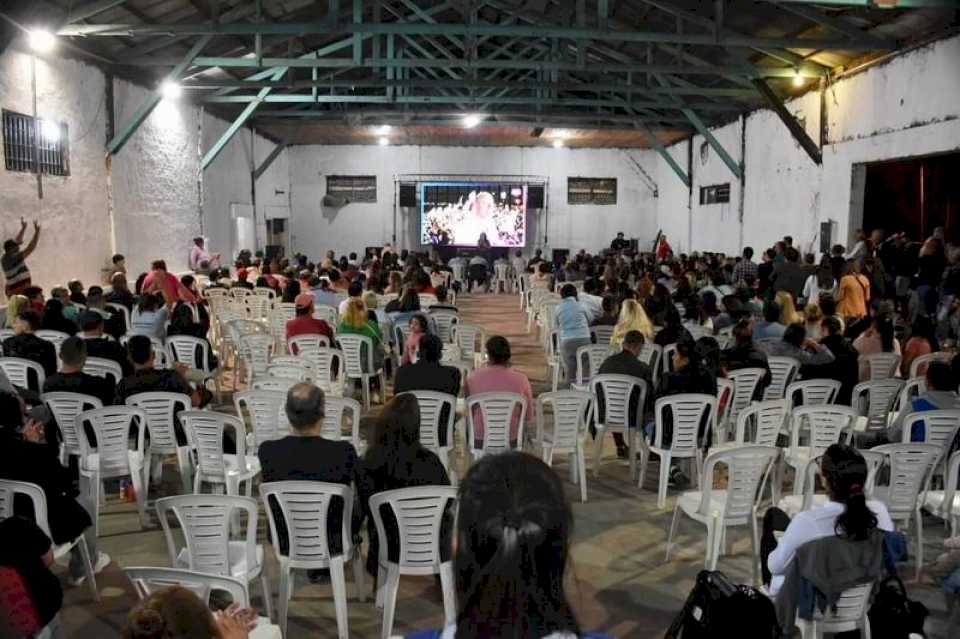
[898, 616]
[718, 608]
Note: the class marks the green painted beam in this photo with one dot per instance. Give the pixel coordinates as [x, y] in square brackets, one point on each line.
[240, 120]
[795, 128]
[655, 143]
[90, 9]
[873, 4]
[399, 118]
[698, 124]
[419, 29]
[357, 37]
[148, 105]
[829, 22]
[277, 150]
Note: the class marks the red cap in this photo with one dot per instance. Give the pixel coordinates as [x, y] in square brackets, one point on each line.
[303, 300]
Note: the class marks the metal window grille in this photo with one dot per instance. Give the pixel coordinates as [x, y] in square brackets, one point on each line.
[715, 194]
[581, 190]
[354, 188]
[33, 145]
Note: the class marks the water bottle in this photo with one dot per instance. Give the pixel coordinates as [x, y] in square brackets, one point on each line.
[125, 490]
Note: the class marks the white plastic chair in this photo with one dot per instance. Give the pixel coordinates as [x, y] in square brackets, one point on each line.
[112, 457]
[282, 313]
[328, 368]
[601, 335]
[102, 367]
[880, 365]
[620, 393]
[65, 407]
[446, 321]
[328, 314]
[940, 427]
[240, 292]
[748, 467]
[589, 360]
[418, 513]
[783, 370]
[759, 424]
[553, 358]
[910, 468]
[652, 355]
[195, 353]
[55, 337]
[205, 430]
[874, 402]
[297, 343]
[497, 410]
[161, 409]
[912, 388]
[849, 613]
[945, 503]
[811, 392]
[470, 339]
[267, 415]
[124, 311]
[10, 489]
[255, 352]
[745, 384]
[572, 411]
[297, 371]
[922, 361]
[339, 412]
[793, 504]
[205, 523]
[273, 384]
[160, 359]
[666, 361]
[362, 368]
[687, 412]
[824, 424]
[433, 428]
[20, 371]
[302, 509]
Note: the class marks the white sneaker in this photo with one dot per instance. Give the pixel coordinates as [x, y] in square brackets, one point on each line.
[103, 560]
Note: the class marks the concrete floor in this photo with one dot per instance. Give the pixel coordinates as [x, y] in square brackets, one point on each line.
[618, 581]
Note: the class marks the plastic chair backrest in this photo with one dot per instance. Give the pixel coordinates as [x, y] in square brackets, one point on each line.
[745, 383]
[298, 342]
[881, 365]
[9, 489]
[467, 336]
[147, 581]
[102, 367]
[875, 400]
[327, 365]
[446, 321]
[296, 372]
[767, 418]
[328, 314]
[65, 408]
[918, 367]
[205, 430]
[617, 391]
[910, 467]
[601, 335]
[280, 384]
[812, 392]
[688, 411]
[849, 610]
[18, 370]
[431, 405]
[257, 351]
[783, 370]
[571, 412]
[192, 351]
[335, 414]
[305, 507]
[353, 347]
[111, 426]
[419, 515]
[939, 427]
[497, 411]
[205, 524]
[666, 360]
[825, 423]
[267, 410]
[747, 468]
[589, 360]
[652, 354]
[161, 409]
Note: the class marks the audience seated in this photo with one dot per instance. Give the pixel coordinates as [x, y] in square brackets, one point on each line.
[72, 379]
[941, 394]
[627, 362]
[427, 373]
[26, 345]
[418, 328]
[498, 377]
[879, 338]
[305, 323]
[797, 345]
[150, 317]
[100, 346]
[395, 459]
[178, 613]
[573, 330]
[54, 318]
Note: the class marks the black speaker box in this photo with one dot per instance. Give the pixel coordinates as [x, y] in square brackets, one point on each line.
[408, 195]
[535, 196]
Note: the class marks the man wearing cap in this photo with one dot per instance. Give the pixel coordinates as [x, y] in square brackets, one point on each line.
[305, 323]
[201, 260]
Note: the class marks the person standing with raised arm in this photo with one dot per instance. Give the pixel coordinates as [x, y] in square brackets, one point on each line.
[14, 261]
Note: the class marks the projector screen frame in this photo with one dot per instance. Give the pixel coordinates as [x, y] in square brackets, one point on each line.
[480, 178]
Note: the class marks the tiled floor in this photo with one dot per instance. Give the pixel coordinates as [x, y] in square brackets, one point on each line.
[618, 581]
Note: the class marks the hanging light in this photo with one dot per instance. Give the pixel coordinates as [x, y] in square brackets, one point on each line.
[797, 79]
[383, 141]
[471, 121]
[558, 144]
[171, 90]
[384, 129]
[41, 40]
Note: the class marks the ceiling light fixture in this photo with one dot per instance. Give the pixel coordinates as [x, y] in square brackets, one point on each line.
[558, 144]
[384, 129]
[797, 79]
[471, 121]
[171, 90]
[383, 141]
[41, 40]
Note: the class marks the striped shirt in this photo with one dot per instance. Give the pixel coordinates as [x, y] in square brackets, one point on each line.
[16, 272]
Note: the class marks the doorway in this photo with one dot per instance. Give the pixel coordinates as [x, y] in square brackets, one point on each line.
[914, 195]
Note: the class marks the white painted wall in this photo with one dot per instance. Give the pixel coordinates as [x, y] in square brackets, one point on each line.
[352, 227]
[906, 107]
[151, 185]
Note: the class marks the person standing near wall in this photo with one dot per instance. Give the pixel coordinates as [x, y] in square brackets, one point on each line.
[14, 261]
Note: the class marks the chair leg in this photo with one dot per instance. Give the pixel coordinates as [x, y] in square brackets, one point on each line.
[186, 467]
[755, 548]
[673, 531]
[449, 596]
[582, 471]
[283, 596]
[88, 567]
[339, 583]
[719, 532]
[390, 600]
[664, 478]
[137, 477]
[633, 444]
[265, 585]
[919, 519]
[598, 451]
[359, 579]
[365, 392]
[708, 549]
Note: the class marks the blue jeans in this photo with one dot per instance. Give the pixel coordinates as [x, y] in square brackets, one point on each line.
[952, 582]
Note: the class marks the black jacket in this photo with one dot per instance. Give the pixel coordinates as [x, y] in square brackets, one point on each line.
[428, 376]
[624, 363]
[29, 346]
[109, 349]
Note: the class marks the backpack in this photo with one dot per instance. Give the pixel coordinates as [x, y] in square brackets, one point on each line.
[718, 608]
[894, 612]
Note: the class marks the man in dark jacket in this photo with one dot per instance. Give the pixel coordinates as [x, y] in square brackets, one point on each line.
[844, 368]
[26, 345]
[627, 362]
[789, 275]
[91, 323]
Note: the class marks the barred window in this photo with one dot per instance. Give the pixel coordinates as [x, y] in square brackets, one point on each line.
[581, 190]
[716, 194]
[354, 188]
[35, 145]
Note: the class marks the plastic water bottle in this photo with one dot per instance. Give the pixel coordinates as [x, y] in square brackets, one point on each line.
[125, 488]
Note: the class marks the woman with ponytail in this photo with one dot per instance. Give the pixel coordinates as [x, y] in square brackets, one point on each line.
[879, 338]
[847, 514]
[513, 542]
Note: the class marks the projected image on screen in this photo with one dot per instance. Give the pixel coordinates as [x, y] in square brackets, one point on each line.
[459, 214]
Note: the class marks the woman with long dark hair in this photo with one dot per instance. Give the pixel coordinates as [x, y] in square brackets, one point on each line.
[55, 320]
[848, 513]
[879, 338]
[396, 460]
[290, 291]
[514, 527]
[922, 341]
